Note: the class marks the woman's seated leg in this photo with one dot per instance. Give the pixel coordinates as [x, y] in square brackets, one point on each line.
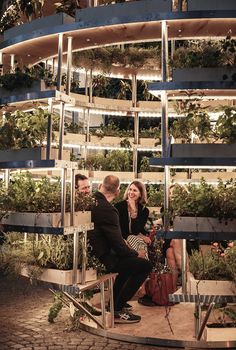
[171, 262]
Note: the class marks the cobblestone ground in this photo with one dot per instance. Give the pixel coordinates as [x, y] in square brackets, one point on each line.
[23, 323]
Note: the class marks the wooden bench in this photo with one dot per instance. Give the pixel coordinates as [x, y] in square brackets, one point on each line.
[70, 292]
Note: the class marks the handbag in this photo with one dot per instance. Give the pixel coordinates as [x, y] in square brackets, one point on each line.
[159, 286]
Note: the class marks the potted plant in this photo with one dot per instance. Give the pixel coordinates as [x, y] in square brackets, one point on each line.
[22, 135]
[26, 80]
[205, 208]
[107, 59]
[109, 134]
[224, 329]
[48, 259]
[213, 272]
[155, 198]
[38, 203]
[205, 61]
[117, 162]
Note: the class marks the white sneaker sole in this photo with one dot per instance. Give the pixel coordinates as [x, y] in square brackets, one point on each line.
[120, 320]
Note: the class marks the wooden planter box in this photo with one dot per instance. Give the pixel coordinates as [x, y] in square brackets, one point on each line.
[210, 287]
[180, 175]
[214, 176]
[123, 176]
[226, 333]
[45, 219]
[72, 139]
[204, 150]
[40, 23]
[151, 176]
[38, 85]
[210, 5]
[64, 277]
[202, 224]
[37, 153]
[107, 140]
[149, 142]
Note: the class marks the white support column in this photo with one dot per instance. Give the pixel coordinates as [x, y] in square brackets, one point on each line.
[68, 65]
[172, 48]
[59, 61]
[61, 129]
[91, 86]
[1, 63]
[49, 130]
[136, 125]
[53, 66]
[84, 257]
[63, 195]
[12, 63]
[164, 51]
[75, 257]
[86, 83]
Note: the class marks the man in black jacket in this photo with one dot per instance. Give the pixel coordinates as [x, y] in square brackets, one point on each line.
[110, 248]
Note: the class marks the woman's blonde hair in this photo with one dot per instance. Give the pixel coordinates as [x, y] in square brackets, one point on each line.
[142, 189]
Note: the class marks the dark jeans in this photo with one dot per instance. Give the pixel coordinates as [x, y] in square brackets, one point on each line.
[132, 272]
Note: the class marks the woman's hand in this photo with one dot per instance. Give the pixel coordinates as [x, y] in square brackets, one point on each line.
[147, 240]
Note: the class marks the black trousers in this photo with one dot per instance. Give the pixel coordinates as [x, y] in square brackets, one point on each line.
[132, 272]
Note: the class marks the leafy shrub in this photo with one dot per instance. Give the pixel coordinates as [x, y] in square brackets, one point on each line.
[24, 129]
[205, 200]
[212, 266]
[25, 194]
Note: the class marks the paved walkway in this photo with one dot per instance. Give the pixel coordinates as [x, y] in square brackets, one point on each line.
[23, 323]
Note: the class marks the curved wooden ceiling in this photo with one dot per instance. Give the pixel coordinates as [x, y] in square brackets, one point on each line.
[127, 27]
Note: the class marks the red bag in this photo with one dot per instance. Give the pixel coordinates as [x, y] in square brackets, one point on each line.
[159, 286]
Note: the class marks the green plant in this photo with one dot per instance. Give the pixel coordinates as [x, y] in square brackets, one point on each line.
[198, 54]
[212, 266]
[10, 81]
[55, 308]
[73, 128]
[225, 127]
[152, 132]
[205, 200]
[68, 6]
[48, 251]
[31, 8]
[10, 17]
[106, 57]
[195, 121]
[155, 196]
[112, 161]
[24, 129]
[24, 194]
[111, 130]
[144, 165]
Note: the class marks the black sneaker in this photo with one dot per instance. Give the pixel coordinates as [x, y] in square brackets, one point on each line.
[128, 307]
[125, 316]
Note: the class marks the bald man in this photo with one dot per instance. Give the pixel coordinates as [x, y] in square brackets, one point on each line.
[110, 248]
